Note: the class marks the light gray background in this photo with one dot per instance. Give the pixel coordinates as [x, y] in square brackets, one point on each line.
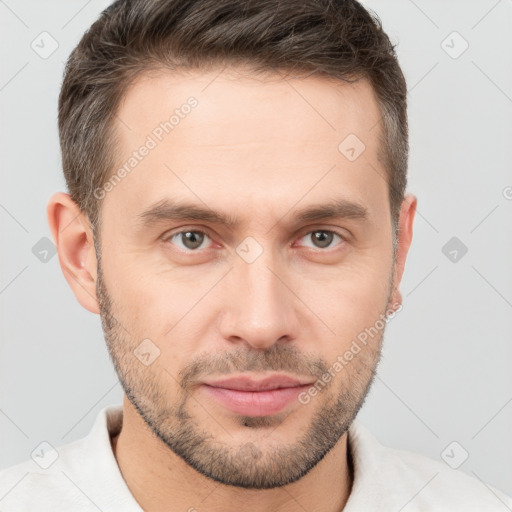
[445, 374]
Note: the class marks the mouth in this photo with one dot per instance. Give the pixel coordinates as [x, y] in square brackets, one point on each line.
[256, 397]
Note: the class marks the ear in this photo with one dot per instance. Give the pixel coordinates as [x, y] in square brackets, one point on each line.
[407, 213]
[72, 234]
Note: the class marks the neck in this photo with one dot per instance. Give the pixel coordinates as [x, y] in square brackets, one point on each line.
[160, 480]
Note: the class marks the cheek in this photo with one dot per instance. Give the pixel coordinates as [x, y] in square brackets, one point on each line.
[168, 311]
[348, 297]
[174, 303]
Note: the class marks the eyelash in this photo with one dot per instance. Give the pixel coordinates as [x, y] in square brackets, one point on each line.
[167, 238]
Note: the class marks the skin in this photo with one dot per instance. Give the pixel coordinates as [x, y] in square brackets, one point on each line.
[253, 149]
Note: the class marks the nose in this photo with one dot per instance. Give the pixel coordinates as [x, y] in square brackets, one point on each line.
[261, 308]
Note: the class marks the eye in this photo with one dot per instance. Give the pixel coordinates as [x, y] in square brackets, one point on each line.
[322, 238]
[189, 240]
[194, 240]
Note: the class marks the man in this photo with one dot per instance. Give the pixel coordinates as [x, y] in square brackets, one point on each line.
[237, 216]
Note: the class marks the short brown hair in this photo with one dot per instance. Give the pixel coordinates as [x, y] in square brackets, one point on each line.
[337, 38]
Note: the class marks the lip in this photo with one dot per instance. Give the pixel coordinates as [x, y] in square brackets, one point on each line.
[256, 397]
[245, 383]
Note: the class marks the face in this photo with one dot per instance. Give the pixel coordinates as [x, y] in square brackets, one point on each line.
[244, 243]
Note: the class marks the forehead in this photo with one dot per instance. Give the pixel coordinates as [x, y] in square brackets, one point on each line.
[304, 108]
[255, 139]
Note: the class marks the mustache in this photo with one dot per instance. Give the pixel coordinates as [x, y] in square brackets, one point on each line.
[278, 358]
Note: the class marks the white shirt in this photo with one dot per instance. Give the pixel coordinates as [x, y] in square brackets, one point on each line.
[83, 476]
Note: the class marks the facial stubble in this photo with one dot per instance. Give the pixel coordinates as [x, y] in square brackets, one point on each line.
[250, 465]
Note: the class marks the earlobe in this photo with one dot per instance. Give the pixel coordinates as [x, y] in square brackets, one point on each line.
[72, 235]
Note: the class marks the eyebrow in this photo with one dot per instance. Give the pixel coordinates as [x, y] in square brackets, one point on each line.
[179, 210]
